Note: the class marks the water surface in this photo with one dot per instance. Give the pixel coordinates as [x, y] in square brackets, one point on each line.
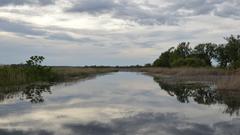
[118, 104]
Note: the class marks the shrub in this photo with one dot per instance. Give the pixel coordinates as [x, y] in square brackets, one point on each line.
[189, 62]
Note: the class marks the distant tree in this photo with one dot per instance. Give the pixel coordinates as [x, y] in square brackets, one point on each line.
[148, 65]
[36, 71]
[183, 50]
[164, 59]
[35, 61]
[221, 56]
[233, 50]
[205, 52]
[189, 62]
[227, 55]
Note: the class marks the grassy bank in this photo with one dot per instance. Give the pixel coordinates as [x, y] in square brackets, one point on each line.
[29, 85]
[184, 71]
[75, 73]
[18, 75]
[222, 78]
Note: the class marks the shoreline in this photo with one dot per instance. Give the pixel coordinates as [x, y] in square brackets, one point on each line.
[222, 78]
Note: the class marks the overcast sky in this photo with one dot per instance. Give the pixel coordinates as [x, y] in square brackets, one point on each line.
[110, 32]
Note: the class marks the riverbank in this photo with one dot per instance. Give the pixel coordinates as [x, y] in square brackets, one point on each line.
[65, 74]
[222, 78]
[20, 75]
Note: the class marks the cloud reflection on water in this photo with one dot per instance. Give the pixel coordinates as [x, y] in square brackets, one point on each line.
[106, 105]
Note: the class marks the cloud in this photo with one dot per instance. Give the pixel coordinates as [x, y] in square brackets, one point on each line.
[115, 27]
[19, 28]
[29, 30]
[152, 124]
[125, 10]
[93, 6]
[146, 13]
[66, 37]
[20, 132]
[26, 2]
[229, 9]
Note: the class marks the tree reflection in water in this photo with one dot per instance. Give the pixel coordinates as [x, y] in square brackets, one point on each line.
[184, 93]
[32, 93]
[203, 94]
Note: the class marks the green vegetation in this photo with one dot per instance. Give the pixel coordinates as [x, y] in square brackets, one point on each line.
[75, 73]
[223, 79]
[226, 55]
[36, 72]
[33, 71]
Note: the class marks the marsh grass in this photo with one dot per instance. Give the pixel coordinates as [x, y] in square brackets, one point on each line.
[184, 71]
[229, 83]
[18, 75]
[12, 75]
[74, 73]
[224, 79]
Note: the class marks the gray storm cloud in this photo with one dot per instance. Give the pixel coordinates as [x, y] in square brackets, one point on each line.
[149, 14]
[122, 31]
[26, 2]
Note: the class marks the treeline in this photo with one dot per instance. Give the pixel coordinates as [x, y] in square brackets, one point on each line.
[225, 55]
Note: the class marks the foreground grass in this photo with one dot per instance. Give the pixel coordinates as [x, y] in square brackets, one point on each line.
[10, 75]
[20, 75]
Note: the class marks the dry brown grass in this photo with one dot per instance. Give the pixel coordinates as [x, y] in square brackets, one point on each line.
[224, 79]
[229, 83]
[75, 70]
[73, 73]
[184, 71]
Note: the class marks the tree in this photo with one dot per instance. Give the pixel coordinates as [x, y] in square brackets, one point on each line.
[205, 52]
[148, 65]
[227, 55]
[35, 61]
[189, 62]
[183, 50]
[36, 71]
[222, 56]
[163, 60]
[233, 50]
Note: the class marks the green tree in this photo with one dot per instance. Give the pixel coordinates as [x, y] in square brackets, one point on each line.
[148, 65]
[205, 52]
[189, 62]
[221, 56]
[36, 71]
[163, 60]
[35, 61]
[183, 50]
[233, 50]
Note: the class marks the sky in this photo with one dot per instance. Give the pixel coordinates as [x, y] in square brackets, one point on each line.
[110, 32]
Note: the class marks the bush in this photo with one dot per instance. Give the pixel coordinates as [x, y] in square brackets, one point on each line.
[235, 65]
[30, 72]
[163, 60]
[147, 65]
[189, 62]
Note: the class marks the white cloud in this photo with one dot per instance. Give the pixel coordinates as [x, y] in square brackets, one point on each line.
[108, 31]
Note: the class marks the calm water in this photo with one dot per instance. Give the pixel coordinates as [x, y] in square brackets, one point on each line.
[118, 104]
